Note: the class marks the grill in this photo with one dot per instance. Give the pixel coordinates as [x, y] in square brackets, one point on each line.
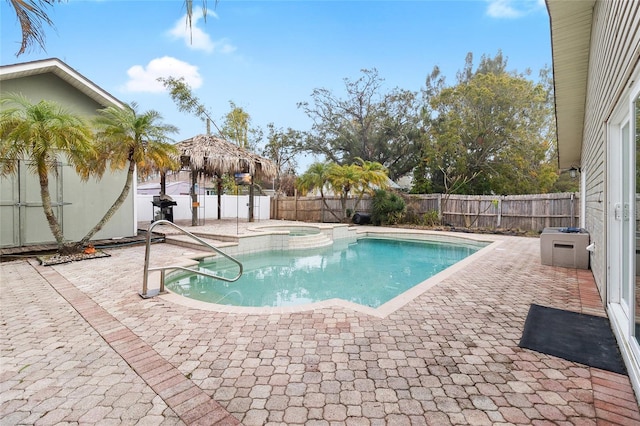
[163, 208]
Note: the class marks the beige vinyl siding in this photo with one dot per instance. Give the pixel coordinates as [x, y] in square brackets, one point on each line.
[615, 38]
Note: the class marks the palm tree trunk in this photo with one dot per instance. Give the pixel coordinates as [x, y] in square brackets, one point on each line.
[360, 196]
[54, 225]
[116, 205]
[343, 204]
[324, 201]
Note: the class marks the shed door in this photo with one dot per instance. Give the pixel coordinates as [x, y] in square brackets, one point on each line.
[23, 221]
[9, 212]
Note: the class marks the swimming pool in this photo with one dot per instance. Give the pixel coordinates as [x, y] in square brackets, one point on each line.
[369, 272]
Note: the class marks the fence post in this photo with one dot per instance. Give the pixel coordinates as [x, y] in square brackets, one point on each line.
[572, 210]
[499, 213]
[440, 207]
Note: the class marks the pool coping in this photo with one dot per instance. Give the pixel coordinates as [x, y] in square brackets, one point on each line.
[381, 311]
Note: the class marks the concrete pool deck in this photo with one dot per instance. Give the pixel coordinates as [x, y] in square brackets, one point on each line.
[79, 346]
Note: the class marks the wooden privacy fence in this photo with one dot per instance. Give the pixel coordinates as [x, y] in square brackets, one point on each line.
[531, 212]
[312, 209]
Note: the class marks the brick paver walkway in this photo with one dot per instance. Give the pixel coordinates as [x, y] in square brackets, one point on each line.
[79, 346]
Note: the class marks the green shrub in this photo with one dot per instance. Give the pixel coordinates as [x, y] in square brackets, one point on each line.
[387, 208]
[430, 218]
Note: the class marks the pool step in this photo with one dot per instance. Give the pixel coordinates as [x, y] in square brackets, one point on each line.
[309, 241]
[188, 242]
[295, 243]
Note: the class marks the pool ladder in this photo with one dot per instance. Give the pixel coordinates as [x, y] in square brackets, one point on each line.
[146, 293]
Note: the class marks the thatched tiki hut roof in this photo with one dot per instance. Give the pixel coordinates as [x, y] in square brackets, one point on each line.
[212, 156]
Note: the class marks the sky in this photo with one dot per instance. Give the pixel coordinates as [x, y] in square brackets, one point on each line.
[267, 56]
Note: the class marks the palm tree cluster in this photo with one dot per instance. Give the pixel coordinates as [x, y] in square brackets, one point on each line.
[360, 178]
[44, 132]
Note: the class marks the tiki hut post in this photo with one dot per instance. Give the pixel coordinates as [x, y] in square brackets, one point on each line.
[163, 183]
[194, 198]
[219, 193]
[251, 218]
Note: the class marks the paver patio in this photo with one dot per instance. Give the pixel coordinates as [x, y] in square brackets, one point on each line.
[79, 346]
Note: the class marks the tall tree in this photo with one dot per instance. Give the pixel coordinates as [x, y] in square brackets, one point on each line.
[40, 133]
[181, 93]
[32, 14]
[127, 138]
[366, 124]
[490, 133]
[282, 148]
[236, 128]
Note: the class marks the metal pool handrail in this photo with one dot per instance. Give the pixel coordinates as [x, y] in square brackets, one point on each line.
[145, 294]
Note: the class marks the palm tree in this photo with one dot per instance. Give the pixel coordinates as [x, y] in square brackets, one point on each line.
[343, 179]
[316, 177]
[40, 133]
[32, 14]
[127, 138]
[361, 178]
[373, 175]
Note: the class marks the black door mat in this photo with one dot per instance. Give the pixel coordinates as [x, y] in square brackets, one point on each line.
[586, 339]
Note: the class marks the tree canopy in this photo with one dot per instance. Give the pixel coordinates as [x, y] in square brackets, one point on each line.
[181, 93]
[236, 128]
[490, 133]
[366, 124]
[282, 147]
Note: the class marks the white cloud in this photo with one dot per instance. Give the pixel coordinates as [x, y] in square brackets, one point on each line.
[195, 38]
[145, 79]
[511, 9]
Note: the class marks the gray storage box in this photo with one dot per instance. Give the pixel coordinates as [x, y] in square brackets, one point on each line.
[567, 249]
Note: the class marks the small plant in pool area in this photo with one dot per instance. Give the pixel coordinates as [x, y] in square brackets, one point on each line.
[387, 208]
[430, 218]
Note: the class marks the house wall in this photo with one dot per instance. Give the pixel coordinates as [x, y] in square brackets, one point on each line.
[615, 37]
[84, 202]
[90, 201]
[53, 88]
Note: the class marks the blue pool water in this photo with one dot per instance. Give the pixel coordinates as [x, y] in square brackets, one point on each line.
[369, 272]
